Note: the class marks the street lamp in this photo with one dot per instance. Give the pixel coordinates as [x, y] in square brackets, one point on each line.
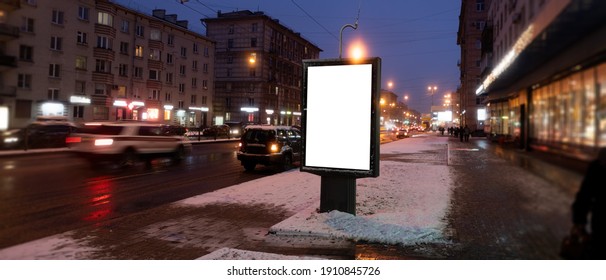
[432, 90]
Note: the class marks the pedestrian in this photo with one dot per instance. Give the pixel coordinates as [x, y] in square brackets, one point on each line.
[461, 133]
[467, 133]
[591, 200]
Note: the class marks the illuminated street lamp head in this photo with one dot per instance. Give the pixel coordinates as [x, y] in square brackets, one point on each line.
[406, 97]
[253, 58]
[390, 84]
[357, 51]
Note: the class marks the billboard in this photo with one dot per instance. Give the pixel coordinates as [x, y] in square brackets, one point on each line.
[340, 120]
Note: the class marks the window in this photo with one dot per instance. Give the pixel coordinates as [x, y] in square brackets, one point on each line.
[230, 43]
[125, 26]
[83, 13]
[53, 94]
[252, 72]
[204, 100]
[194, 65]
[138, 72]
[193, 99]
[24, 81]
[27, 24]
[57, 17]
[54, 70]
[154, 94]
[228, 72]
[100, 89]
[230, 59]
[123, 70]
[181, 88]
[155, 34]
[154, 74]
[56, 43]
[253, 42]
[169, 78]
[205, 67]
[81, 62]
[104, 42]
[123, 47]
[205, 84]
[180, 104]
[26, 53]
[167, 96]
[139, 51]
[228, 102]
[100, 113]
[105, 18]
[170, 40]
[195, 48]
[230, 29]
[103, 66]
[182, 69]
[254, 27]
[81, 38]
[194, 82]
[479, 5]
[78, 112]
[80, 87]
[140, 31]
[183, 52]
[154, 54]
[169, 58]
[206, 51]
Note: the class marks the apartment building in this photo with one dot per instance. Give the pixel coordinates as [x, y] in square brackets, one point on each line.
[258, 68]
[546, 84]
[99, 61]
[472, 20]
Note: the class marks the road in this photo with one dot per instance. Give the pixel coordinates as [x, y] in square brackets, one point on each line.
[46, 194]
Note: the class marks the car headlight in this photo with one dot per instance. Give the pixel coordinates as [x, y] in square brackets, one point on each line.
[274, 147]
[12, 139]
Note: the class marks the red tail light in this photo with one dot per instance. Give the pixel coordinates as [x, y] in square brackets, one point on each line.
[73, 140]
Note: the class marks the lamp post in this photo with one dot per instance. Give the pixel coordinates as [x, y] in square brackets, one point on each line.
[432, 90]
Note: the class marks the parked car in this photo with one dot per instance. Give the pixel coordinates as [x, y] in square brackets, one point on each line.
[216, 131]
[269, 145]
[125, 143]
[39, 134]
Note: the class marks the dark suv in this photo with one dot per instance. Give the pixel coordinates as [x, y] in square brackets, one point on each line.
[269, 145]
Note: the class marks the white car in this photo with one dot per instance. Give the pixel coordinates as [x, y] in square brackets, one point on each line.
[125, 143]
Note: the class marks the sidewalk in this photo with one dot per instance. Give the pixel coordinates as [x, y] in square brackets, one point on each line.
[436, 198]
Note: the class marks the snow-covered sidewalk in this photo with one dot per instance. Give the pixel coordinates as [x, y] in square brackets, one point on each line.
[405, 205]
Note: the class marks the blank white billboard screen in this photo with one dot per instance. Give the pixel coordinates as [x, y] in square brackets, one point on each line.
[338, 126]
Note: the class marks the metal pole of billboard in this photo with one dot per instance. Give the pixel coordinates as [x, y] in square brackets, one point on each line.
[338, 193]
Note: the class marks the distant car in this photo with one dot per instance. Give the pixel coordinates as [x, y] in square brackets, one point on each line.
[269, 145]
[125, 143]
[39, 134]
[235, 129]
[217, 131]
[402, 133]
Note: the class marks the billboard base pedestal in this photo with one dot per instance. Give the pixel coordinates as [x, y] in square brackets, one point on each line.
[338, 193]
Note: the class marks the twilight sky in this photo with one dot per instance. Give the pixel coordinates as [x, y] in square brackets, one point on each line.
[416, 39]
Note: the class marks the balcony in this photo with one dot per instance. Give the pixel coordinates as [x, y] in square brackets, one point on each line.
[106, 54]
[7, 91]
[7, 62]
[10, 5]
[8, 32]
[103, 77]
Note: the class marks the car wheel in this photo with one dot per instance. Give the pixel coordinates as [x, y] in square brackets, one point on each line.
[287, 162]
[249, 166]
[129, 158]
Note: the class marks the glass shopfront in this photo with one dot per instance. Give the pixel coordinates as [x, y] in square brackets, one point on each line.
[570, 113]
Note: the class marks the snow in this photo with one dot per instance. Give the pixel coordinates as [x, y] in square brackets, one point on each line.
[404, 205]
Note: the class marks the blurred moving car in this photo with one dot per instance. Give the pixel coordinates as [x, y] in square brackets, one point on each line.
[217, 131]
[402, 133]
[125, 143]
[269, 145]
[39, 134]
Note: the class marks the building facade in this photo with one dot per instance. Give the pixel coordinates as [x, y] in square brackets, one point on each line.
[99, 61]
[258, 68]
[547, 89]
[472, 20]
